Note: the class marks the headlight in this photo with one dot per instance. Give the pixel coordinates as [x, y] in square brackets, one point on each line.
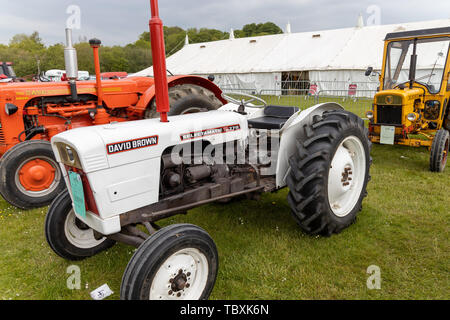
[68, 155]
[412, 116]
[369, 115]
[10, 109]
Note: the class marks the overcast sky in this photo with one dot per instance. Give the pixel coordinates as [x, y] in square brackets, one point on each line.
[121, 21]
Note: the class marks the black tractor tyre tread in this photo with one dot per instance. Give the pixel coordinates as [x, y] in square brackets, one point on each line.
[307, 179]
[151, 254]
[184, 96]
[54, 231]
[8, 165]
[437, 150]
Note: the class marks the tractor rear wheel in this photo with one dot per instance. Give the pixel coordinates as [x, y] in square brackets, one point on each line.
[187, 98]
[439, 151]
[329, 173]
[30, 175]
[179, 262]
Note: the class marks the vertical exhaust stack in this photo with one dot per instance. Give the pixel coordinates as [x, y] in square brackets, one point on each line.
[95, 45]
[101, 116]
[70, 57]
[159, 62]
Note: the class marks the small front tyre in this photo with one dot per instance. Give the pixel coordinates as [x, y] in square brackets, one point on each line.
[178, 262]
[67, 235]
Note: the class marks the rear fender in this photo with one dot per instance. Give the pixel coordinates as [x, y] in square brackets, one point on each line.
[149, 94]
[294, 131]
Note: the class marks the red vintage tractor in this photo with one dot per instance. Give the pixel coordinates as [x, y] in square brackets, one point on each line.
[35, 112]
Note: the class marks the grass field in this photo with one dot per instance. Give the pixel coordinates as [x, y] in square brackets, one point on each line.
[403, 229]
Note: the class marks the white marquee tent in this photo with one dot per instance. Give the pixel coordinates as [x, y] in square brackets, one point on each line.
[323, 57]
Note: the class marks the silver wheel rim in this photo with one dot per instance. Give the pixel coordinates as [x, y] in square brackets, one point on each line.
[346, 176]
[187, 266]
[41, 193]
[80, 238]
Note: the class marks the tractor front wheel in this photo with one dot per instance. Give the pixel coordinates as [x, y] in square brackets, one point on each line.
[67, 235]
[329, 173]
[179, 262]
[439, 151]
[30, 175]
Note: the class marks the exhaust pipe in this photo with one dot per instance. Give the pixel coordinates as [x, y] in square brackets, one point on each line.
[95, 45]
[159, 62]
[70, 57]
[100, 115]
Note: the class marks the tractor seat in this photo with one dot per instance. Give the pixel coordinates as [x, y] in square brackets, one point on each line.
[274, 117]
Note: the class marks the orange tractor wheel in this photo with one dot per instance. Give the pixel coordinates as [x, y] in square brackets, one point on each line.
[187, 98]
[30, 176]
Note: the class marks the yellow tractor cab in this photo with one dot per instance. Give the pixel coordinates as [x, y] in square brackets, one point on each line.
[411, 106]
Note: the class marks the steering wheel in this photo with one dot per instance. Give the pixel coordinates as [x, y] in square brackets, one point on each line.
[243, 102]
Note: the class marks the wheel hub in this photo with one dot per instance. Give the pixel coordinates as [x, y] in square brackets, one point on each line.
[79, 234]
[346, 176]
[36, 175]
[182, 276]
[179, 283]
[341, 175]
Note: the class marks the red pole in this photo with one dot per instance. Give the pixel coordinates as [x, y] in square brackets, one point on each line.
[95, 44]
[159, 62]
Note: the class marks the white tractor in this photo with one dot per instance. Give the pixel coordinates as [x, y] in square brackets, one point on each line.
[122, 175]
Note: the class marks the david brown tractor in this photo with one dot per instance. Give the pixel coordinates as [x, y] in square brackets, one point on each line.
[32, 113]
[412, 106]
[124, 177]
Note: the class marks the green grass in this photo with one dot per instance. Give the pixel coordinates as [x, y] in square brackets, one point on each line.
[403, 229]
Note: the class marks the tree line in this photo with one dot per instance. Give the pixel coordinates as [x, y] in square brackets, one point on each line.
[29, 54]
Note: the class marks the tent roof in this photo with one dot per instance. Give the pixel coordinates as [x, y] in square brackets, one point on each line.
[339, 49]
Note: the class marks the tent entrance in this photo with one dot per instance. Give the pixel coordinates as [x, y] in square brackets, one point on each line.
[295, 82]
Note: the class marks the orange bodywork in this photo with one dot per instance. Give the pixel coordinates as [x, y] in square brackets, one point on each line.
[47, 105]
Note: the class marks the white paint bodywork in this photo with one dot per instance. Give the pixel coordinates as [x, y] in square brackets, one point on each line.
[129, 180]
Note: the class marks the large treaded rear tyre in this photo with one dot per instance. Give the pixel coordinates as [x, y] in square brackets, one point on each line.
[30, 177]
[68, 237]
[439, 151]
[329, 173]
[187, 98]
[177, 262]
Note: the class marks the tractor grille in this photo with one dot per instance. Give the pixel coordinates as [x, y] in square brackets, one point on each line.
[389, 115]
[2, 137]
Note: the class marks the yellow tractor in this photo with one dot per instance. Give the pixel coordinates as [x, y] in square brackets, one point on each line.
[412, 105]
